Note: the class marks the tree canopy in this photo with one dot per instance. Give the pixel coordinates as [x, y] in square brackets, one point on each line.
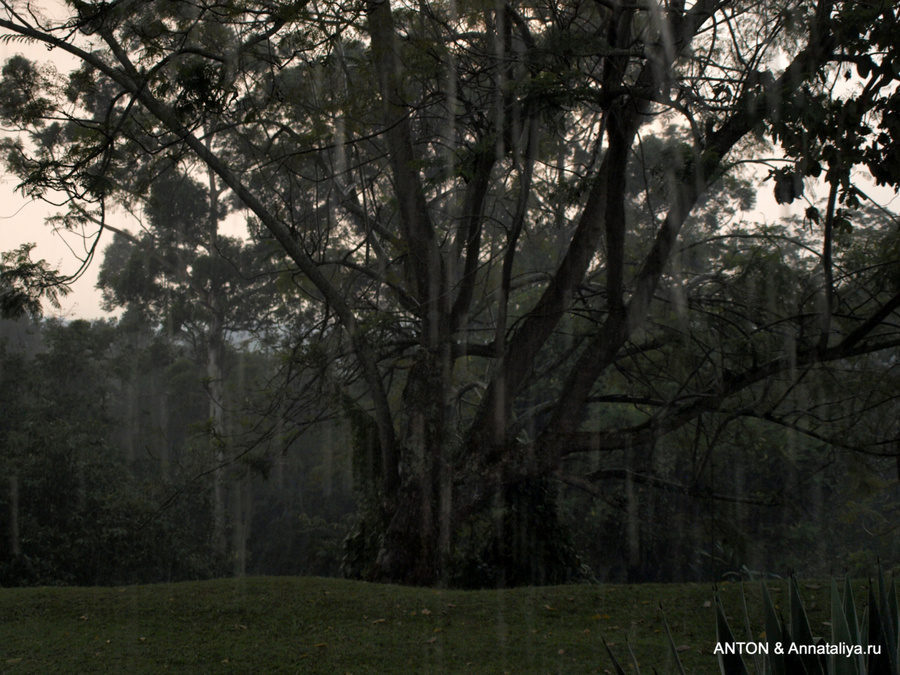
[510, 233]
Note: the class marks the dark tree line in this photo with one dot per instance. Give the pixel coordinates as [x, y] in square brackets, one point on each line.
[110, 475]
[109, 478]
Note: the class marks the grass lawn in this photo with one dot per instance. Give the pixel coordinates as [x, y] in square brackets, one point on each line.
[333, 626]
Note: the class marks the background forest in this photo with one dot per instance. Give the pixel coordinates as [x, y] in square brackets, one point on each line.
[109, 467]
[455, 293]
[121, 468]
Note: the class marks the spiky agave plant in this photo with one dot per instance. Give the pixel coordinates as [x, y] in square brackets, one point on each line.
[634, 662]
[858, 647]
[867, 647]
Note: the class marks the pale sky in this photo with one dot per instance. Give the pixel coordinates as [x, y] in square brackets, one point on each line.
[22, 221]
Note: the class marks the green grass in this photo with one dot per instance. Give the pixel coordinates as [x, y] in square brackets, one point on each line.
[308, 625]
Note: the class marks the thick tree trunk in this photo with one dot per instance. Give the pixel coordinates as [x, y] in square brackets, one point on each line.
[416, 547]
[217, 419]
[633, 522]
[241, 520]
[165, 447]
[15, 545]
[214, 373]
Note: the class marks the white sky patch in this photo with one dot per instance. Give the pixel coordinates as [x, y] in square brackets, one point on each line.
[22, 219]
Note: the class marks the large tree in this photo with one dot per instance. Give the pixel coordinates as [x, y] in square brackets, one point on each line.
[507, 290]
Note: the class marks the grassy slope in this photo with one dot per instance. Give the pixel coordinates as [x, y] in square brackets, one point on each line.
[299, 625]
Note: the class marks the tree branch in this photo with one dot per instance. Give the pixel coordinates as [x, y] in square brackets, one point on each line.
[129, 80]
[587, 484]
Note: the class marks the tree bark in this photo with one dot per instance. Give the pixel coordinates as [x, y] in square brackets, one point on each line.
[15, 540]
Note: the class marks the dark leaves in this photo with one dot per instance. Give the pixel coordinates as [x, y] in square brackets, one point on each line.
[24, 282]
[788, 185]
[21, 85]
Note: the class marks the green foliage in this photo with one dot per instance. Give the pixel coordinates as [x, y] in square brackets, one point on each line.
[86, 520]
[819, 131]
[24, 283]
[521, 540]
[287, 541]
[84, 514]
[21, 89]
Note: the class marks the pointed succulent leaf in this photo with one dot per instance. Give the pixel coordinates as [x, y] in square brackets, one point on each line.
[671, 642]
[774, 634]
[729, 664]
[877, 663]
[793, 662]
[888, 621]
[612, 657]
[853, 624]
[850, 611]
[634, 661]
[759, 660]
[799, 621]
[840, 634]
[894, 611]
[801, 630]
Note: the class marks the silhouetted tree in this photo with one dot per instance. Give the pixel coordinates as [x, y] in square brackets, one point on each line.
[449, 183]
